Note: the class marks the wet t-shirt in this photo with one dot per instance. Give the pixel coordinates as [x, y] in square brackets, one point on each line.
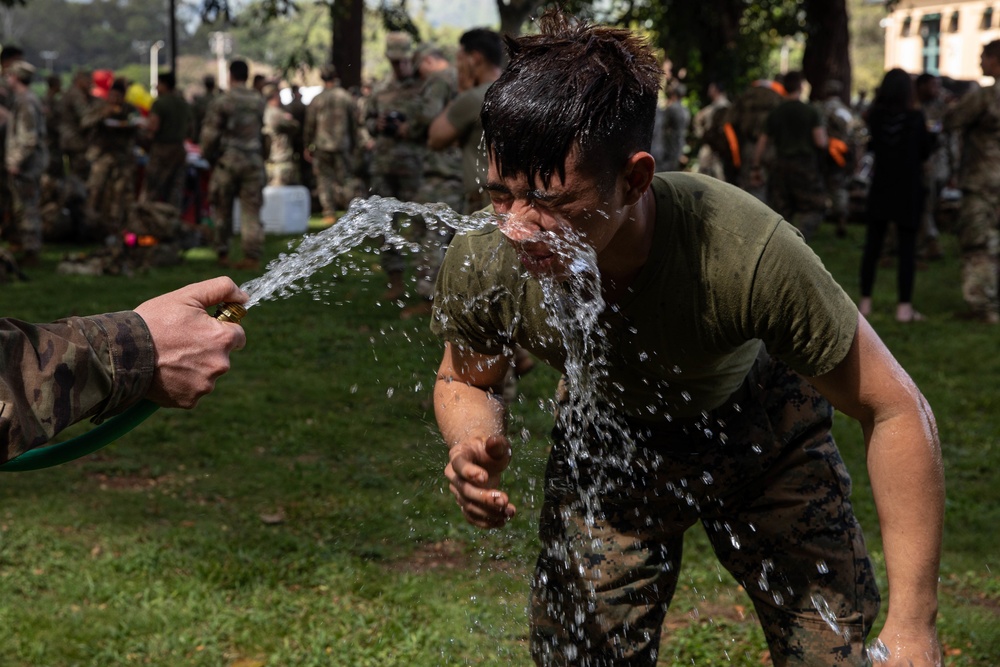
[724, 276]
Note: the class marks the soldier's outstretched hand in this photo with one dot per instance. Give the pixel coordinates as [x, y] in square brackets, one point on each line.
[192, 347]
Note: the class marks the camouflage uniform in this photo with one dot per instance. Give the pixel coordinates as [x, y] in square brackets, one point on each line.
[9, 223]
[977, 117]
[28, 152]
[397, 162]
[709, 160]
[442, 181]
[840, 125]
[281, 130]
[748, 118]
[795, 180]
[73, 137]
[199, 108]
[231, 140]
[331, 134]
[111, 183]
[937, 172]
[53, 375]
[777, 474]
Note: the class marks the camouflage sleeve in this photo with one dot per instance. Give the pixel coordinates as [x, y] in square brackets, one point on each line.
[22, 136]
[211, 130]
[309, 131]
[964, 112]
[434, 97]
[54, 375]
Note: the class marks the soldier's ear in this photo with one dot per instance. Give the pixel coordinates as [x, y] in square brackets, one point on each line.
[638, 175]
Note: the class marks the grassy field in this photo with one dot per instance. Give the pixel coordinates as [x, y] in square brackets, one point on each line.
[299, 516]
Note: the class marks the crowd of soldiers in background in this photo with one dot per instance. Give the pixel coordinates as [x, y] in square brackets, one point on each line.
[73, 173]
[823, 170]
[722, 137]
[95, 164]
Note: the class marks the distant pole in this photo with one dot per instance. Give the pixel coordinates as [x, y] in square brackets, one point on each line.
[154, 66]
[221, 44]
[173, 36]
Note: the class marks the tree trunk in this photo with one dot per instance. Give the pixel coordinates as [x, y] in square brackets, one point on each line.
[513, 14]
[827, 53]
[346, 17]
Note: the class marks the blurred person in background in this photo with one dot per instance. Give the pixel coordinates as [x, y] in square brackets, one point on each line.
[900, 143]
[976, 116]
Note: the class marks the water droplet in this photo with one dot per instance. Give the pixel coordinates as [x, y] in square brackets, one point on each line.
[822, 567]
[878, 652]
[686, 396]
[389, 392]
[643, 356]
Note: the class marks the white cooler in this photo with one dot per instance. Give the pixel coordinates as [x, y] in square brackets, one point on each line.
[286, 210]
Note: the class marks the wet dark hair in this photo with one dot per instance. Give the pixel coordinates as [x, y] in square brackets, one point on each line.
[895, 93]
[572, 85]
[485, 42]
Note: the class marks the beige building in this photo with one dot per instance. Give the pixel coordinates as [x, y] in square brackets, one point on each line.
[944, 38]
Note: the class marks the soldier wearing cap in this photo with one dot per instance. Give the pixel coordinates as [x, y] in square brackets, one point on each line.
[331, 136]
[397, 161]
[26, 158]
[232, 141]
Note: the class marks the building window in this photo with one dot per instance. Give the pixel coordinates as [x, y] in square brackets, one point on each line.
[953, 23]
[930, 34]
[907, 24]
[987, 21]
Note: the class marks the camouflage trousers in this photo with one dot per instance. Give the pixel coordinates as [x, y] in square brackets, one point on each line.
[836, 190]
[110, 192]
[282, 173]
[333, 181]
[404, 187]
[795, 191]
[165, 175]
[764, 478]
[24, 194]
[979, 241]
[241, 176]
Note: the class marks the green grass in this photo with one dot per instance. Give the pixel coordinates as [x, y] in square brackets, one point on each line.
[299, 516]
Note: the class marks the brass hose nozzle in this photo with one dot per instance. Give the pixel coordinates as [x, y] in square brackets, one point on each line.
[230, 312]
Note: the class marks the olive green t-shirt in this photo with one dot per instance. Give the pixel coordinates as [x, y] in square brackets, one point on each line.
[725, 275]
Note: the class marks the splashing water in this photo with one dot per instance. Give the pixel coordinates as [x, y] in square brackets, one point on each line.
[365, 219]
[875, 652]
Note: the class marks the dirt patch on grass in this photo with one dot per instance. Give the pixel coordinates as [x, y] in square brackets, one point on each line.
[435, 556]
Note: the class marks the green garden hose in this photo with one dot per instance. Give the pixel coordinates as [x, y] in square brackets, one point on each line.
[106, 433]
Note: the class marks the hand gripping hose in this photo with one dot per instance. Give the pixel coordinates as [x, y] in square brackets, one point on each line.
[106, 433]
